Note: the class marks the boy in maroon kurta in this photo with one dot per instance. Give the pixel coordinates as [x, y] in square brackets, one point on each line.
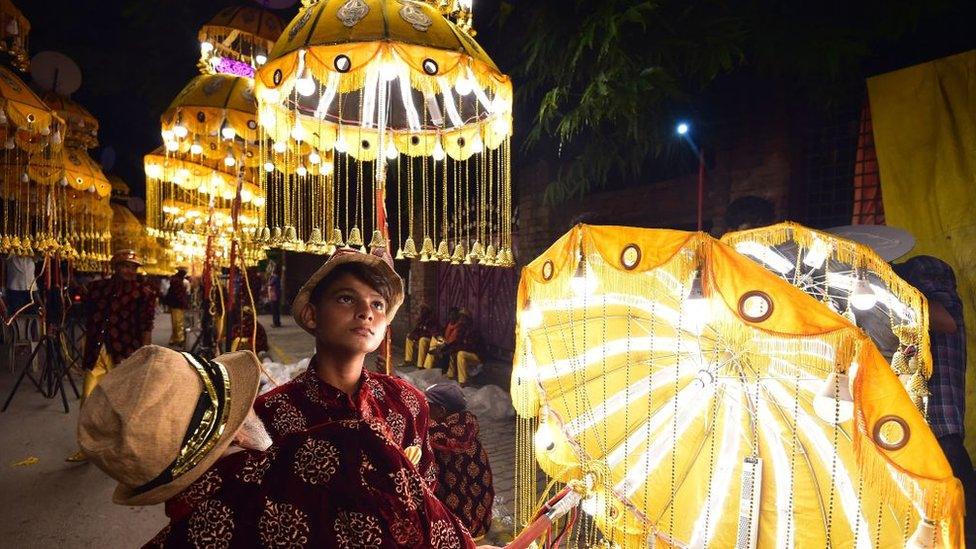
[348, 305]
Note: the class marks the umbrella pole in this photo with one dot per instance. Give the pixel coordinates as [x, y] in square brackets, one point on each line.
[566, 503]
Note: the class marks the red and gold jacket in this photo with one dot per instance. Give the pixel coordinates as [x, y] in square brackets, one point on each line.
[394, 405]
[463, 472]
[118, 312]
[340, 484]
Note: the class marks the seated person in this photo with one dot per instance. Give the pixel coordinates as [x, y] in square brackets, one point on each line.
[439, 358]
[464, 361]
[247, 328]
[418, 340]
[464, 481]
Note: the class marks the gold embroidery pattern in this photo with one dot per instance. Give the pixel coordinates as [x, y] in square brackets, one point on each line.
[316, 462]
[443, 536]
[254, 468]
[288, 420]
[357, 531]
[282, 525]
[405, 531]
[408, 489]
[398, 426]
[203, 488]
[410, 400]
[211, 525]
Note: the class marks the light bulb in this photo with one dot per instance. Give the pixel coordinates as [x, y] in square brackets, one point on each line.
[834, 403]
[172, 146]
[863, 297]
[544, 439]
[500, 126]
[327, 168]
[305, 85]
[314, 157]
[229, 160]
[463, 86]
[389, 71]
[302, 171]
[583, 281]
[279, 147]
[206, 47]
[478, 146]
[196, 148]
[391, 152]
[258, 201]
[298, 132]
[272, 95]
[531, 316]
[260, 59]
[817, 254]
[500, 105]
[168, 135]
[438, 154]
[227, 131]
[340, 144]
[269, 167]
[180, 131]
[246, 195]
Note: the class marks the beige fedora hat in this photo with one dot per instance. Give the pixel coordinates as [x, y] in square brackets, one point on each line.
[379, 261]
[161, 418]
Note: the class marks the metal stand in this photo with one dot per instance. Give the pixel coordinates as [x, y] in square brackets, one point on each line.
[53, 371]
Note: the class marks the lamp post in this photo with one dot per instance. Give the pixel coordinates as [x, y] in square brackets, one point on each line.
[683, 129]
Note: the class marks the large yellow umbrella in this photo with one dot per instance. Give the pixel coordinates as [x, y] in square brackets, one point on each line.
[82, 126]
[237, 40]
[381, 82]
[25, 120]
[853, 280]
[694, 399]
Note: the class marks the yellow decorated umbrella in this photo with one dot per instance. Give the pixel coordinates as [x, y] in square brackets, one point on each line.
[25, 120]
[377, 80]
[237, 40]
[853, 280]
[82, 126]
[690, 398]
[214, 116]
[14, 31]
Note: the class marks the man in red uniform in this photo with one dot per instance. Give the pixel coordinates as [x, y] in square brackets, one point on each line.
[348, 305]
[119, 314]
[463, 472]
[178, 300]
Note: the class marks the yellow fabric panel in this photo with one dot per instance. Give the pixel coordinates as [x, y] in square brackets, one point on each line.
[925, 132]
[24, 108]
[209, 99]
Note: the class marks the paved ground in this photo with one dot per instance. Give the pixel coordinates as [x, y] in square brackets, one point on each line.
[46, 502]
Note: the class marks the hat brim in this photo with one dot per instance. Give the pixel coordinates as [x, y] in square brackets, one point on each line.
[245, 379]
[371, 261]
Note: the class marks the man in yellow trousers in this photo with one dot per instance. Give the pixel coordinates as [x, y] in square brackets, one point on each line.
[119, 315]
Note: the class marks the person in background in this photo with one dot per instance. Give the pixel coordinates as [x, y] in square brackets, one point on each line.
[464, 479]
[436, 351]
[946, 410]
[273, 295]
[119, 316]
[177, 298]
[463, 352]
[20, 285]
[245, 330]
[418, 340]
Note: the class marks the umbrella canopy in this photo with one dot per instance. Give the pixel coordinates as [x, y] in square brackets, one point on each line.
[24, 118]
[237, 40]
[853, 280]
[696, 399]
[82, 126]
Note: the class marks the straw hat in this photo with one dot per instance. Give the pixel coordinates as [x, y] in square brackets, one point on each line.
[126, 256]
[379, 261]
[133, 424]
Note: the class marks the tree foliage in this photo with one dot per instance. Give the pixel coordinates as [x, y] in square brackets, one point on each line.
[606, 79]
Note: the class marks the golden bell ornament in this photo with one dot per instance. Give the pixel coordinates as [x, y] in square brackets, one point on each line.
[491, 256]
[399, 254]
[355, 238]
[377, 241]
[362, 249]
[458, 256]
[428, 247]
[443, 252]
[275, 236]
[336, 240]
[315, 238]
[409, 248]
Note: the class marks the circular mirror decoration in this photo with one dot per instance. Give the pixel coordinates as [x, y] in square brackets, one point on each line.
[755, 306]
[200, 116]
[276, 77]
[891, 433]
[430, 66]
[342, 63]
[630, 256]
[547, 270]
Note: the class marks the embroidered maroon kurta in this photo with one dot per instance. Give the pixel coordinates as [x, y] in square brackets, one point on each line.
[464, 474]
[343, 484]
[119, 312]
[306, 401]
